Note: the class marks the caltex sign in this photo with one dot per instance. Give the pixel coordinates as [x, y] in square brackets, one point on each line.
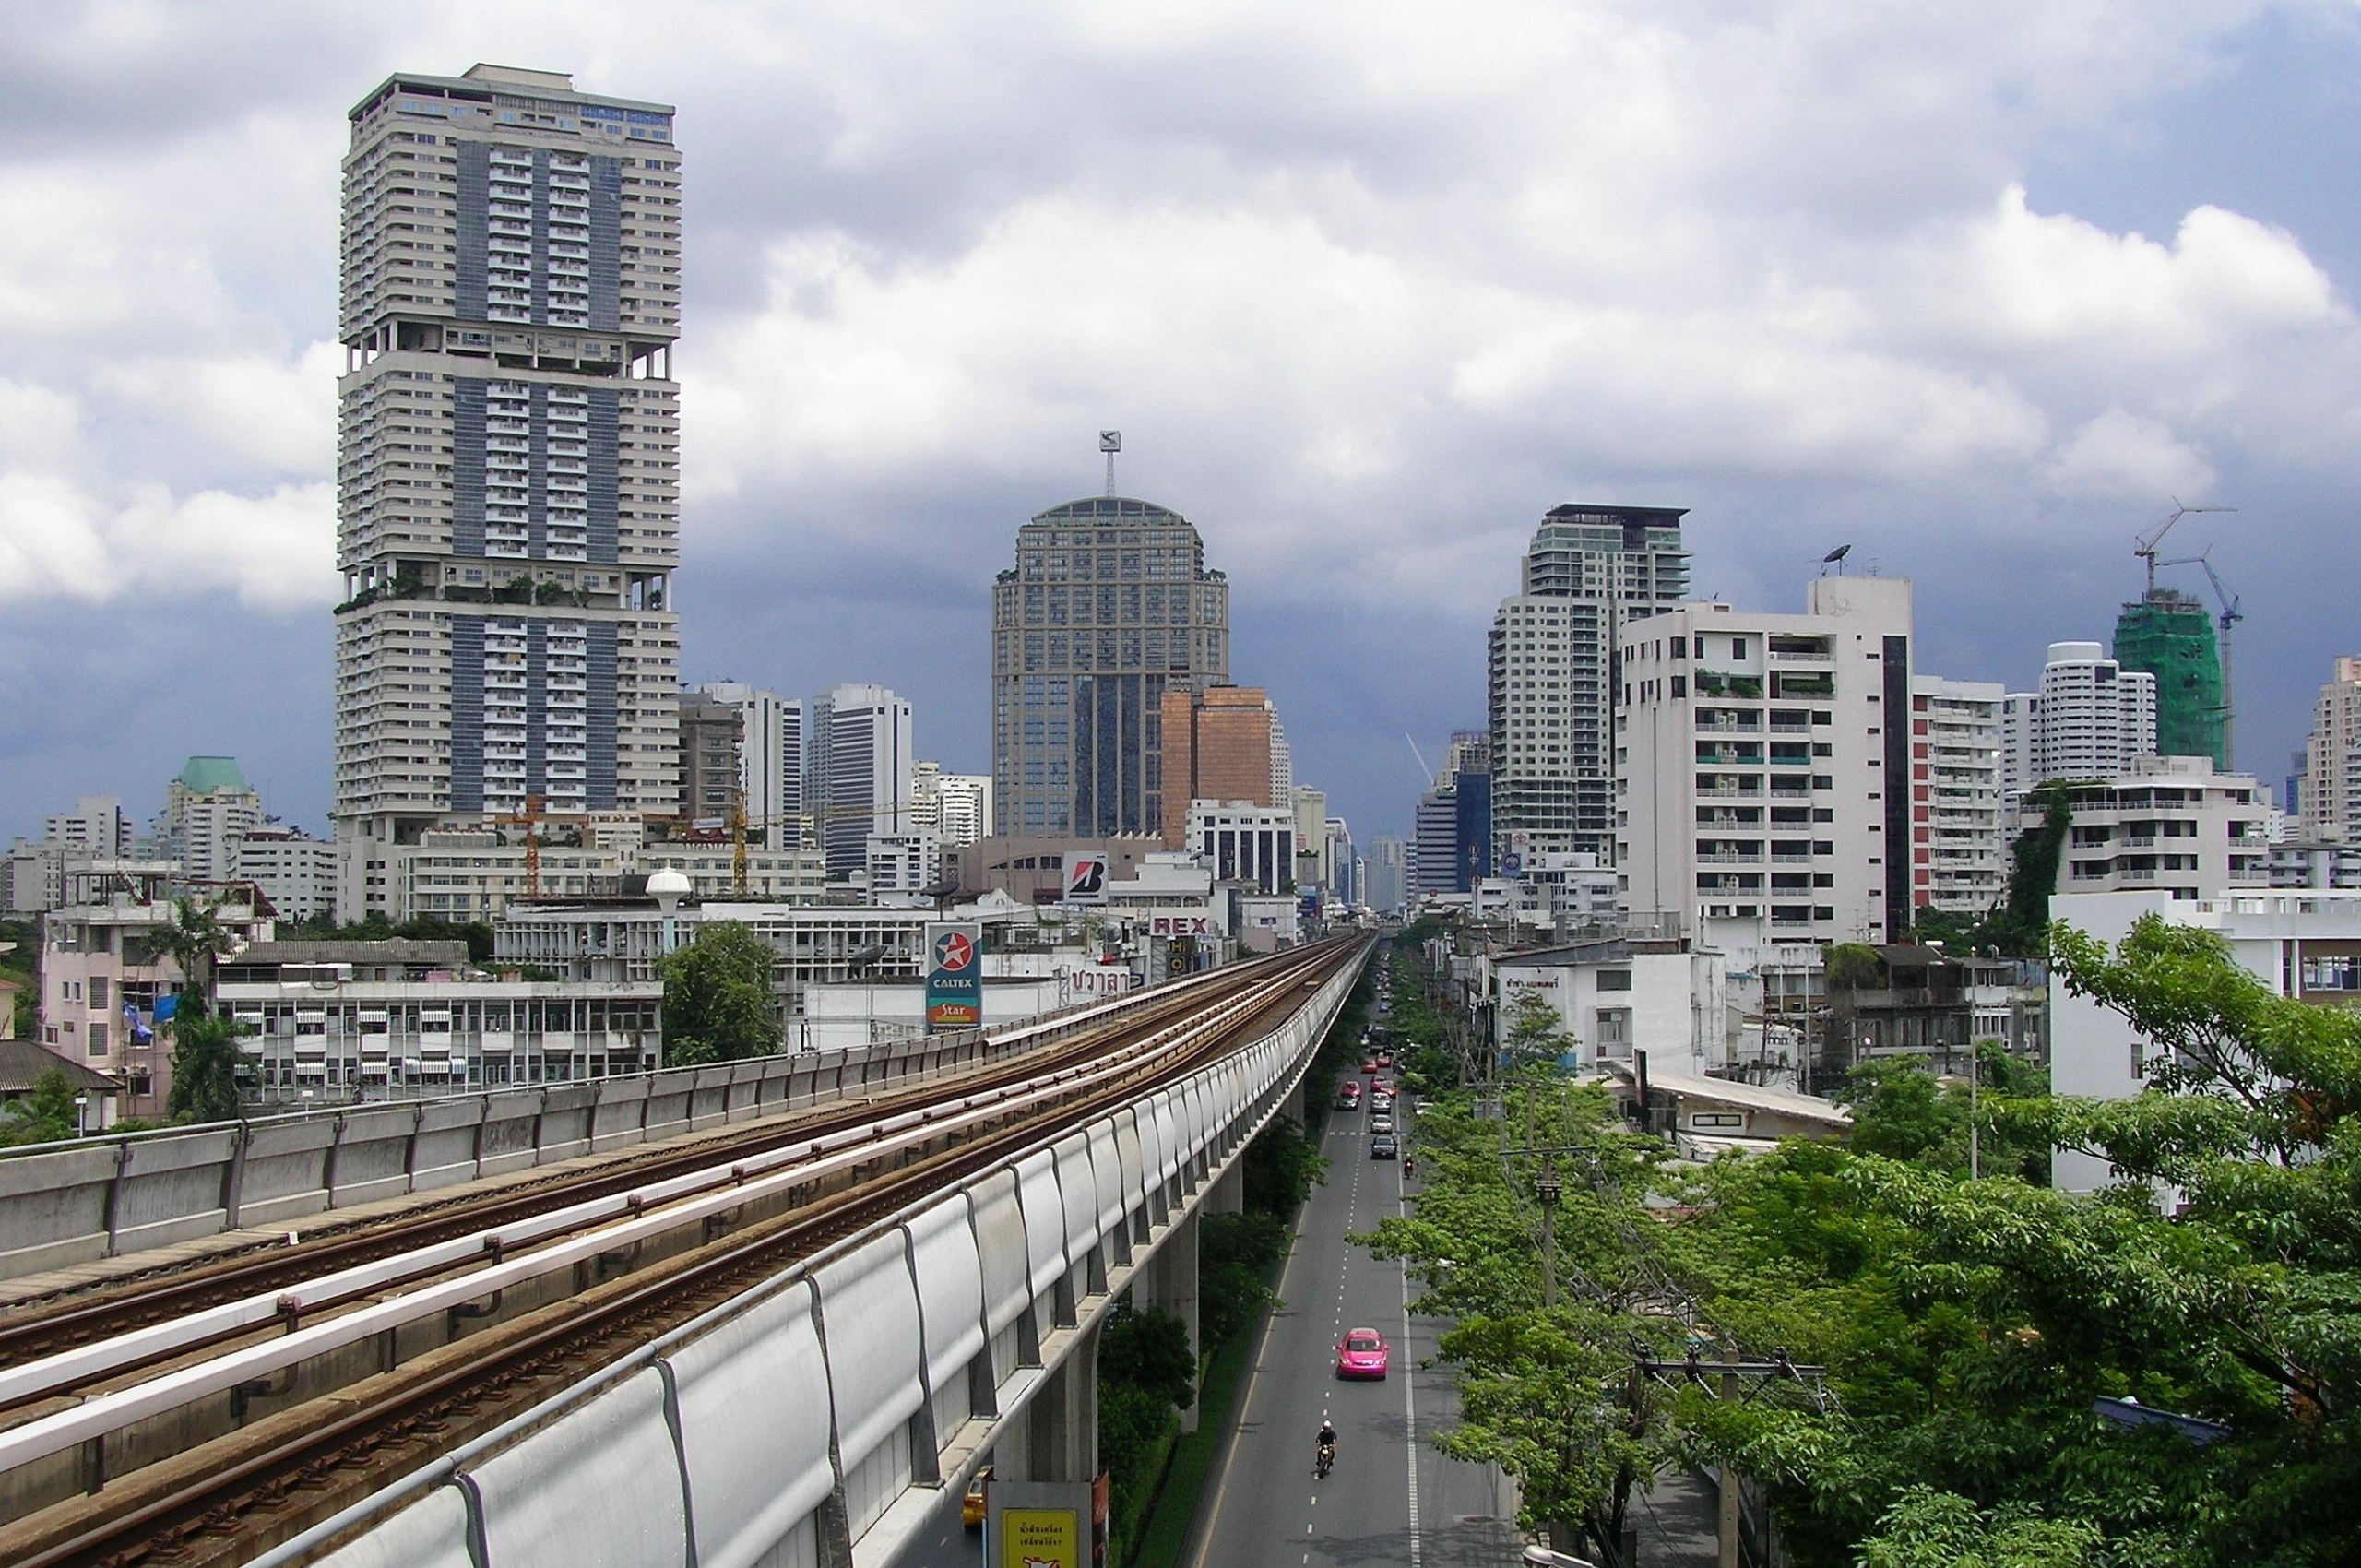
[955, 977]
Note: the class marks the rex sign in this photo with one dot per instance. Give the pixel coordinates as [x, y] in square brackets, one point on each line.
[955, 975]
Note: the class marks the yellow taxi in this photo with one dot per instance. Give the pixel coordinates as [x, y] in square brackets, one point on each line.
[972, 1506]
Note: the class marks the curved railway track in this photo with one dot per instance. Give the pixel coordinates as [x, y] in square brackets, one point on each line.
[266, 1481]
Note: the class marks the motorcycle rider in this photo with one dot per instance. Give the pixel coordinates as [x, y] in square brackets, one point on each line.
[1327, 1452]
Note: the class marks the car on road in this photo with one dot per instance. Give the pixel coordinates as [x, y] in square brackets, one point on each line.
[1382, 1147]
[1385, 1059]
[975, 1503]
[1363, 1353]
[1380, 1120]
[1348, 1095]
[1370, 1065]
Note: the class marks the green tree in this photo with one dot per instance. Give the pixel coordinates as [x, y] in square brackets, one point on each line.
[1544, 1386]
[717, 998]
[46, 1114]
[1969, 1327]
[2021, 925]
[192, 939]
[205, 1069]
[1281, 1166]
[1901, 1112]
[1536, 1030]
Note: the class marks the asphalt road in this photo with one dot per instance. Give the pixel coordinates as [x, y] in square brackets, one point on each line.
[1392, 1499]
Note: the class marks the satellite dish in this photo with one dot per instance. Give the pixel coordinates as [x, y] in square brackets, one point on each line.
[1837, 555]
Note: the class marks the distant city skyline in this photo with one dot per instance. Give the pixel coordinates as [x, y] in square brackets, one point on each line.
[1986, 337]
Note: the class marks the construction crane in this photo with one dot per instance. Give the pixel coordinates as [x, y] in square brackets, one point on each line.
[2231, 615]
[817, 817]
[2146, 546]
[531, 817]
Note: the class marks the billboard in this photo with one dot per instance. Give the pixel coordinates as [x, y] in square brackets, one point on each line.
[955, 975]
[1085, 879]
[1045, 1524]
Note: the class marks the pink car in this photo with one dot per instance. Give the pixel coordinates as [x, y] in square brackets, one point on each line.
[1363, 1353]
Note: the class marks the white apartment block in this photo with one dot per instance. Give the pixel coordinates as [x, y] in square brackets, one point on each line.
[2090, 719]
[1550, 683]
[1767, 770]
[295, 872]
[507, 468]
[94, 828]
[625, 939]
[956, 806]
[2332, 756]
[1961, 824]
[373, 1020]
[1617, 995]
[208, 807]
[903, 865]
[2296, 862]
[771, 733]
[2167, 824]
[2303, 945]
[1240, 841]
[463, 875]
[859, 772]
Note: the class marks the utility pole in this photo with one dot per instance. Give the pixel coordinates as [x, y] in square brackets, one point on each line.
[1729, 1376]
[1548, 1189]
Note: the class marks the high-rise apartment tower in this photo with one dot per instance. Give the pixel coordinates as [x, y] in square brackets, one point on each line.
[1551, 671]
[2092, 718]
[1109, 606]
[858, 771]
[2332, 793]
[507, 461]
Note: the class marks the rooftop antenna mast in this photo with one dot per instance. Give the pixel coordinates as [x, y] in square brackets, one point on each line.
[1110, 441]
[2146, 547]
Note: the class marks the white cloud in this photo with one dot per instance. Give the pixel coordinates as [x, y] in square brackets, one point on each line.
[2123, 455]
[268, 412]
[67, 530]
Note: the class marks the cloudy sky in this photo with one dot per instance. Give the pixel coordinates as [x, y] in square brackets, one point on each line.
[1979, 288]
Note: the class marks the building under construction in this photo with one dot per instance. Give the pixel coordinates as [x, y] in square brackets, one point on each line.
[2170, 634]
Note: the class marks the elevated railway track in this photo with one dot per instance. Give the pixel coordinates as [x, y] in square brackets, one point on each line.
[203, 1414]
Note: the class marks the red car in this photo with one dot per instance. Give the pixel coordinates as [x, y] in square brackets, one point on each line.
[1370, 1065]
[1363, 1353]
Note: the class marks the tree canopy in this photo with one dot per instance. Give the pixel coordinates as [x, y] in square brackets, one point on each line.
[717, 998]
[1982, 1341]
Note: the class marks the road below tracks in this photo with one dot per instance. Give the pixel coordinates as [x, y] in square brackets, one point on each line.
[1392, 1498]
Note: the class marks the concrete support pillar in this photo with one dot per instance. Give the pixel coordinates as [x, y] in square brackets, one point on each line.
[1294, 1106]
[1168, 1284]
[1056, 1436]
[1227, 1194]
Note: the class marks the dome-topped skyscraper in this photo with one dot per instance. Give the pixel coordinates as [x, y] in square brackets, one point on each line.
[1109, 606]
